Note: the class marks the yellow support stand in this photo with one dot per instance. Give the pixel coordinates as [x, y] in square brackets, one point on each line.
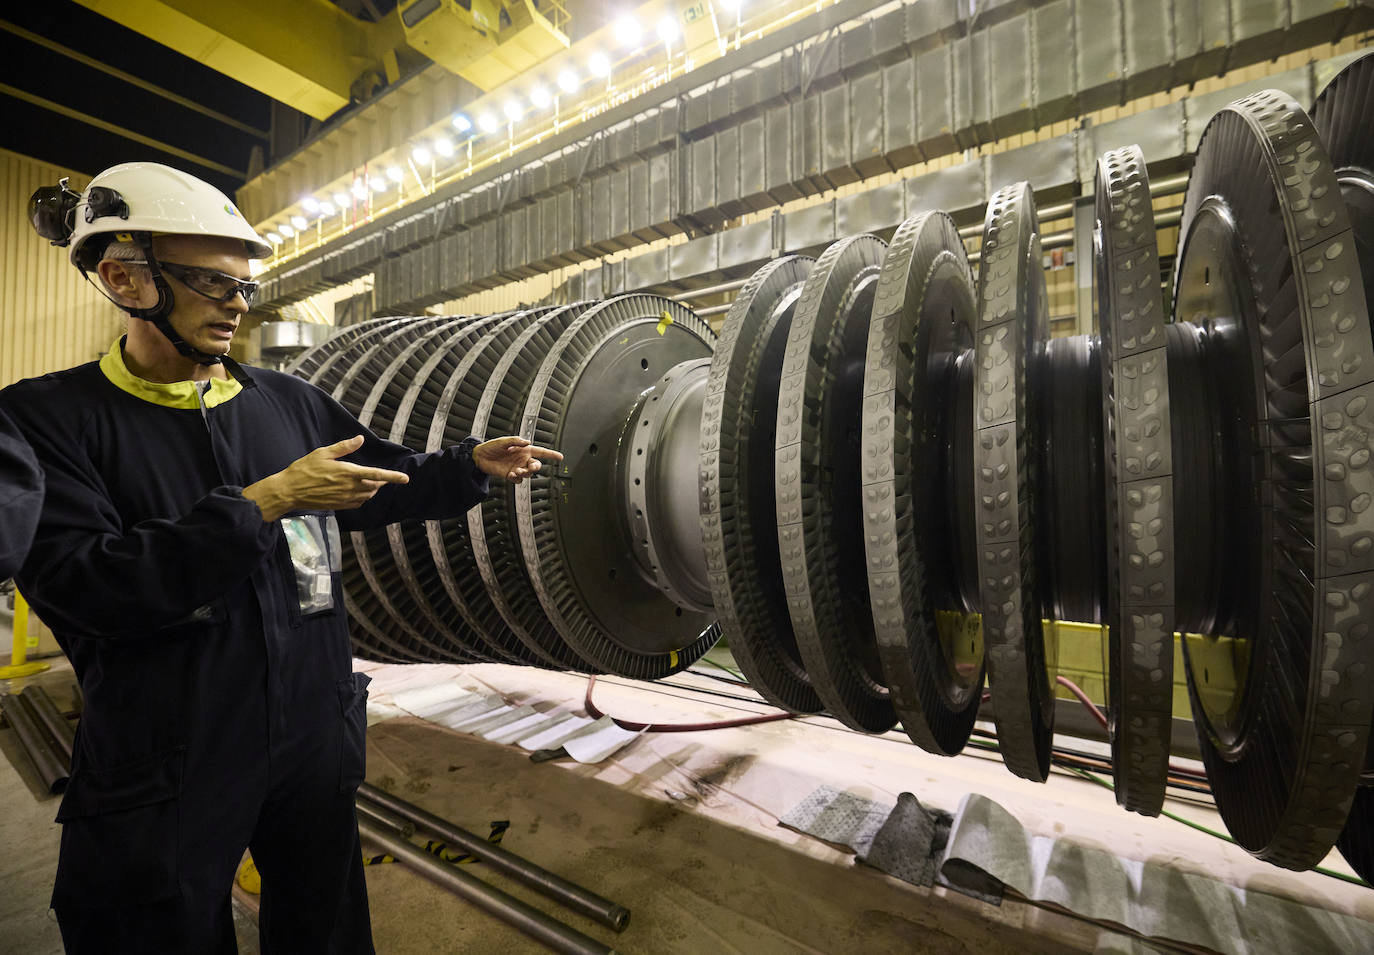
[23, 643]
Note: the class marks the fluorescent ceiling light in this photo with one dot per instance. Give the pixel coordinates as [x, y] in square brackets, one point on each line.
[488, 123]
[310, 204]
[443, 146]
[286, 230]
[394, 173]
[599, 65]
[667, 29]
[539, 96]
[299, 222]
[567, 81]
[461, 123]
[513, 111]
[327, 208]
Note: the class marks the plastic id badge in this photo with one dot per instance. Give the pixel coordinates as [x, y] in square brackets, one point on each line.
[313, 540]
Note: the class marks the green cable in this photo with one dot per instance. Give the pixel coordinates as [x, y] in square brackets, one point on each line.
[721, 666]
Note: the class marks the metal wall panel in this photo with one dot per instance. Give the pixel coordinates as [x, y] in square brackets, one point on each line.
[601, 210]
[1097, 25]
[773, 78]
[486, 246]
[583, 216]
[808, 143]
[931, 23]
[1149, 52]
[870, 211]
[889, 36]
[640, 218]
[1257, 28]
[866, 124]
[515, 248]
[835, 136]
[1158, 133]
[52, 317]
[777, 154]
[935, 101]
[1053, 41]
[720, 102]
[1012, 86]
[752, 187]
[565, 224]
[810, 227]
[948, 190]
[746, 244]
[1045, 165]
[1317, 21]
[695, 110]
[1202, 29]
[620, 203]
[727, 171]
[649, 269]
[856, 47]
[693, 258]
[973, 74]
[663, 195]
[899, 114]
[701, 175]
[747, 90]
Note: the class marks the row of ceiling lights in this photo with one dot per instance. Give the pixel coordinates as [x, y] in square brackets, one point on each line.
[628, 35]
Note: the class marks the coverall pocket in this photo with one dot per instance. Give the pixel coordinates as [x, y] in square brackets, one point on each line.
[120, 838]
[353, 741]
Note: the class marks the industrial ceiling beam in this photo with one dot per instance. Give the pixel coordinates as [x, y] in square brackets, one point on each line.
[306, 53]
[132, 80]
[98, 123]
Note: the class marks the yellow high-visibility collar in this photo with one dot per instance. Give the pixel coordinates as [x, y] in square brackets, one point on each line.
[176, 394]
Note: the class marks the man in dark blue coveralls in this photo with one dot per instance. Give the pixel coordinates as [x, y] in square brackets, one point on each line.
[186, 557]
[21, 496]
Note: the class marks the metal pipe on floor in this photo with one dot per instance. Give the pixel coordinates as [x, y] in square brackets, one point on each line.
[385, 817]
[48, 714]
[42, 753]
[526, 918]
[575, 897]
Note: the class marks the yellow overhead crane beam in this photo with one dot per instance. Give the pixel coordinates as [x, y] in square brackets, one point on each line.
[304, 53]
[471, 39]
[308, 53]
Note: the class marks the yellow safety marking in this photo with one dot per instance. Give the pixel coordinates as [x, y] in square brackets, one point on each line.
[672, 658]
[25, 641]
[664, 322]
[249, 878]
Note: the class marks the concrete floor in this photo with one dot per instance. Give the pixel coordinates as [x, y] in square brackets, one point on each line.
[693, 884]
[681, 828]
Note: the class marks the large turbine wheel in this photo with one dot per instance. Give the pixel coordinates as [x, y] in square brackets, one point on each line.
[818, 478]
[1279, 361]
[1342, 118]
[918, 500]
[738, 517]
[1139, 587]
[612, 539]
[1013, 326]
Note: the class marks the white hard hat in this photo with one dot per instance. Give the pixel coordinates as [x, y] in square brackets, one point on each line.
[160, 200]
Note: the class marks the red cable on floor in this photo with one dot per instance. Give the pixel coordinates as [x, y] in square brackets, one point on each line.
[596, 714]
[1083, 698]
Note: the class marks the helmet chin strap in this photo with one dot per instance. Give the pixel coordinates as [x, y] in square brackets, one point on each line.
[159, 314]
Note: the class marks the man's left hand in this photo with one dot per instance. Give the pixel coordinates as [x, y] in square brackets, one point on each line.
[511, 458]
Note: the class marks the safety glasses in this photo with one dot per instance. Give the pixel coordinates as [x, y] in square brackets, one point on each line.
[214, 285]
